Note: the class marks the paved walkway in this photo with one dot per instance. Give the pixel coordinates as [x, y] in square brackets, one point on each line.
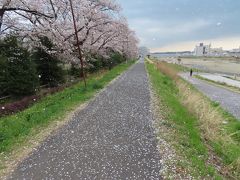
[112, 138]
[229, 100]
[221, 79]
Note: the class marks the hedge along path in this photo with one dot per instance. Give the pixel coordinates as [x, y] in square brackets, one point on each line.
[22, 132]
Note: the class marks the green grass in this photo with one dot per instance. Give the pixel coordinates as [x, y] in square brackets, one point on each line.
[15, 129]
[225, 144]
[228, 151]
[187, 135]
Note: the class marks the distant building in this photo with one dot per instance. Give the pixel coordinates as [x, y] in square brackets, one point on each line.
[217, 51]
[202, 50]
[207, 50]
[235, 52]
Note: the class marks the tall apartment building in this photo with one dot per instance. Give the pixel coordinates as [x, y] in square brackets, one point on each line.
[202, 50]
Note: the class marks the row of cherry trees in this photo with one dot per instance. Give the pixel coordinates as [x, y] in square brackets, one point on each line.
[100, 27]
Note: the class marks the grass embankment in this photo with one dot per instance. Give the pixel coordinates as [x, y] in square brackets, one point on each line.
[15, 130]
[199, 129]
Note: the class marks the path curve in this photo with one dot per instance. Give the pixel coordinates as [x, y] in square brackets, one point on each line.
[112, 138]
[229, 100]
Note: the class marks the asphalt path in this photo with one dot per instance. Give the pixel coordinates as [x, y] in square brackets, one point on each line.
[228, 99]
[112, 138]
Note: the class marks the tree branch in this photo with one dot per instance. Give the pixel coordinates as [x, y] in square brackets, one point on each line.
[28, 11]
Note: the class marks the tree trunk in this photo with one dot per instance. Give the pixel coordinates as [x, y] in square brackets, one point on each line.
[1, 18]
[78, 45]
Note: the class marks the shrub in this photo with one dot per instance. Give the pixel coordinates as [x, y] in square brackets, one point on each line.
[18, 73]
[117, 58]
[75, 71]
[95, 64]
[3, 76]
[49, 67]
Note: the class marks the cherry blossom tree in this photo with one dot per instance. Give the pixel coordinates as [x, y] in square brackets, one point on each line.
[99, 26]
[15, 13]
[117, 37]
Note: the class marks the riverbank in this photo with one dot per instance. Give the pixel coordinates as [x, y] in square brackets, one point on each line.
[201, 132]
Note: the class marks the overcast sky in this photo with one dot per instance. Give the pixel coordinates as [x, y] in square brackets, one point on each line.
[176, 25]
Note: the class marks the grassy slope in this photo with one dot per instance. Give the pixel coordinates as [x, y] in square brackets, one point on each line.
[187, 138]
[15, 129]
[226, 143]
[219, 129]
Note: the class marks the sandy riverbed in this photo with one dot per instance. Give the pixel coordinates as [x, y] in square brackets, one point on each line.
[223, 65]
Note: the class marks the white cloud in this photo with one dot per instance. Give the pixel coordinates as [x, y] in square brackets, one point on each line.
[178, 28]
[162, 22]
[219, 24]
[149, 30]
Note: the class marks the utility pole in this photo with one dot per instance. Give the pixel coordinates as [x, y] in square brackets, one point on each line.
[78, 44]
[127, 47]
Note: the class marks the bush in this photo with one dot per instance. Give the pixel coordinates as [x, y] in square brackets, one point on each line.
[75, 71]
[18, 72]
[95, 64]
[3, 76]
[49, 67]
[117, 58]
